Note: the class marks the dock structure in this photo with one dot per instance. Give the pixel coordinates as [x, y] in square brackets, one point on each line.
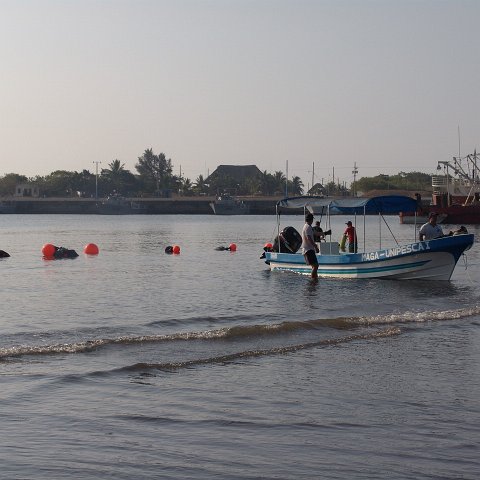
[148, 206]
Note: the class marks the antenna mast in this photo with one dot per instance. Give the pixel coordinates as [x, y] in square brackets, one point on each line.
[286, 181]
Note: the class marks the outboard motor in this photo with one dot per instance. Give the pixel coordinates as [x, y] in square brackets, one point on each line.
[289, 241]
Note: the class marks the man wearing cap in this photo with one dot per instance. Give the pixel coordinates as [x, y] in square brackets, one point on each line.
[351, 235]
[309, 247]
[430, 230]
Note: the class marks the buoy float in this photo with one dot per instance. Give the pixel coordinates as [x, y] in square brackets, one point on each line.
[232, 247]
[48, 250]
[268, 245]
[90, 249]
[169, 249]
[176, 249]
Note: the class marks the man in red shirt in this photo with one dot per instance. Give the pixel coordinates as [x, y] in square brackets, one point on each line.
[352, 237]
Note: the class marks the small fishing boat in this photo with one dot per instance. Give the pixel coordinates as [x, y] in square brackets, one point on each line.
[228, 205]
[431, 259]
[118, 205]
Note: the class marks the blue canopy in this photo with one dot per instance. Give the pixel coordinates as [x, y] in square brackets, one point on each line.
[385, 204]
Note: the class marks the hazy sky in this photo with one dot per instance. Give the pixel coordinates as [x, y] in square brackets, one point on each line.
[385, 84]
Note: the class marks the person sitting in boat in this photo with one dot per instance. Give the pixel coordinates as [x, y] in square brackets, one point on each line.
[460, 231]
[351, 235]
[430, 230]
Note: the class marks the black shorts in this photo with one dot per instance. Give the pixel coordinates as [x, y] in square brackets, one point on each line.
[311, 258]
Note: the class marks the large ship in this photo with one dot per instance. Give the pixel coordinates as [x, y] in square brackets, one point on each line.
[455, 193]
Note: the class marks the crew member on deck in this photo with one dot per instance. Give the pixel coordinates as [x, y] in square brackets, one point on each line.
[318, 233]
[351, 235]
[460, 231]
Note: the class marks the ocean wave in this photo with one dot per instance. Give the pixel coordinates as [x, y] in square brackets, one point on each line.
[419, 317]
[227, 333]
[210, 320]
[248, 354]
[240, 332]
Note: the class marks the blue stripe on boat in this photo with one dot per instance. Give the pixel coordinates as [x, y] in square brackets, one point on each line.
[348, 271]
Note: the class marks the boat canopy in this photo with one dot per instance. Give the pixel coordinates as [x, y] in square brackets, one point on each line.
[385, 204]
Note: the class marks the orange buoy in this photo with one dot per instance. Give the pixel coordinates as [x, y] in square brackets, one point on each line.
[90, 249]
[232, 247]
[268, 245]
[176, 249]
[48, 250]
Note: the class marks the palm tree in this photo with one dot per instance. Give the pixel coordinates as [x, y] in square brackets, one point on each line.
[114, 175]
[200, 186]
[267, 183]
[186, 186]
[279, 179]
[296, 186]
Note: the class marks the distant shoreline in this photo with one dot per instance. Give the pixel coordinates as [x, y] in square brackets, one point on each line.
[199, 205]
[147, 206]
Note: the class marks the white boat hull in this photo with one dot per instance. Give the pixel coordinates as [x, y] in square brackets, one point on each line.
[234, 209]
[434, 259]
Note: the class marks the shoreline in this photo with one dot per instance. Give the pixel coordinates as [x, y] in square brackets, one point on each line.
[143, 206]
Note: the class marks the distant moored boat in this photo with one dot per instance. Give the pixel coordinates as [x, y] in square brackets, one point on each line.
[118, 205]
[228, 205]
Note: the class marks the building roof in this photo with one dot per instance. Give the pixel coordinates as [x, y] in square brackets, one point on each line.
[237, 172]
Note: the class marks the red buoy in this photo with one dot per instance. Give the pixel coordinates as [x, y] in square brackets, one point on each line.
[176, 249]
[90, 249]
[268, 245]
[48, 250]
[233, 247]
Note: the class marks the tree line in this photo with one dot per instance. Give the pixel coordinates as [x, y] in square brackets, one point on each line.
[154, 177]
[412, 181]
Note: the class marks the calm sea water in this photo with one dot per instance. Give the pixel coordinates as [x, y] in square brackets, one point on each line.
[135, 364]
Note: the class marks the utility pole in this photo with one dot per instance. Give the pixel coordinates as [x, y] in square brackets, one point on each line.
[286, 182]
[96, 162]
[313, 175]
[355, 172]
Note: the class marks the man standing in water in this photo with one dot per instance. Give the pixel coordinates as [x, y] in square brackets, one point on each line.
[309, 247]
